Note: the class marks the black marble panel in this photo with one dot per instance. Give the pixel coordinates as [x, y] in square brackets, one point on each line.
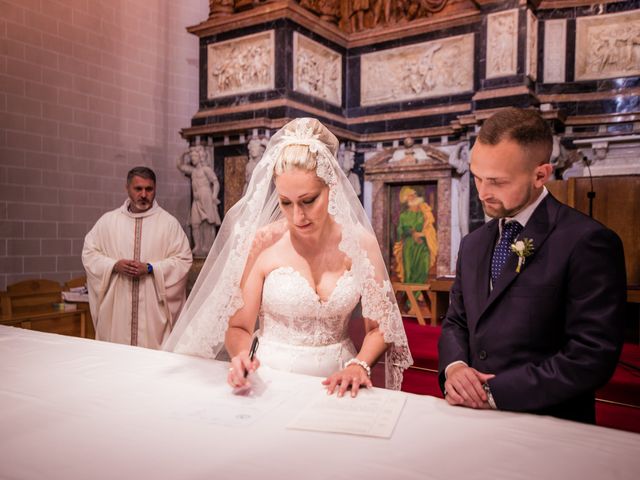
[500, 6]
[571, 51]
[241, 99]
[540, 76]
[522, 42]
[481, 53]
[620, 128]
[556, 13]
[595, 8]
[203, 59]
[316, 103]
[585, 129]
[284, 61]
[599, 8]
[503, 82]
[244, 31]
[409, 105]
[522, 101]
[590, 86]
[351, 81]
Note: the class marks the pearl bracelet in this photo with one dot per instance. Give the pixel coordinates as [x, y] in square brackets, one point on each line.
[362, 363]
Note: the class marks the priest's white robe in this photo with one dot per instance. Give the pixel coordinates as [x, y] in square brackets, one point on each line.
[136, 311]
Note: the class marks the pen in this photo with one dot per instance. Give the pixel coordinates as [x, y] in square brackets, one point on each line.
[252, 353]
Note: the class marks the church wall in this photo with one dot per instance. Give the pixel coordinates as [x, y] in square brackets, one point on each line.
[88, 89]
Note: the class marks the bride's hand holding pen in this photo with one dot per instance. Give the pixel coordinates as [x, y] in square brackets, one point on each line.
[243, 363]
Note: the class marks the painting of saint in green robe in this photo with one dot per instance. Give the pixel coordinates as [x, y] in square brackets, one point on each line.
[416, 246]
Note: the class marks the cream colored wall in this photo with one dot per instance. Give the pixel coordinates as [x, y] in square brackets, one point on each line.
[88, 89]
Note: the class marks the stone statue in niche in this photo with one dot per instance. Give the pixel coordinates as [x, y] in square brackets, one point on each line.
[410, 154]
[255, 148]
[204, 216]
[346, 159]
[459, 160]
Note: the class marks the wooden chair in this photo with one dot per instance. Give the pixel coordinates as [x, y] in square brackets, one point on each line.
[30, 304]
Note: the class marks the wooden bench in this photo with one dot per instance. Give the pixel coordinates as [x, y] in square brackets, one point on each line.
[30, 304]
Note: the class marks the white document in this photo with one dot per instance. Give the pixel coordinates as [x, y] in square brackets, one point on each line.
[239, 407]
[372, 413]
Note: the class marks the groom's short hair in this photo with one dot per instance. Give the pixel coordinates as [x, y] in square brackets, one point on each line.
[524, 126]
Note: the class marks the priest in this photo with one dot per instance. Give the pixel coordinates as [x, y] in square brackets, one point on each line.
[137, 258]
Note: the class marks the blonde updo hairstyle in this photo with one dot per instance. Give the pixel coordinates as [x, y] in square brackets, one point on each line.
[300, 156]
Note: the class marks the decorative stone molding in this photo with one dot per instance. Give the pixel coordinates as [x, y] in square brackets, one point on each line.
[609, 155]
[502, 44]
[607, 46]
[317, 70]
[555, 39]
[241, 65]
[430, 69]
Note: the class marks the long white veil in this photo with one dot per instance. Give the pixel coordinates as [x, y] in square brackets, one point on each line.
[216, 295]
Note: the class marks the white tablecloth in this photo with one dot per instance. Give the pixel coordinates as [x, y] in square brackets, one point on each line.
[80, 409]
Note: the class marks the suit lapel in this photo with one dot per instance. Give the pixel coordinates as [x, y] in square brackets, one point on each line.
[483, 267]
[537, 229]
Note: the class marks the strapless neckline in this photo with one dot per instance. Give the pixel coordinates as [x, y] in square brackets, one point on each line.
[345, 275]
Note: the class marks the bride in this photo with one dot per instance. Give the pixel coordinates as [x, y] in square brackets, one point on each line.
[298, 254]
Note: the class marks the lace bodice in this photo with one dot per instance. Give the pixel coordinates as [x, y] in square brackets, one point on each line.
[293, 313]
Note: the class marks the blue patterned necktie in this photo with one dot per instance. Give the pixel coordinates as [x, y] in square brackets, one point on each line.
[502, 250]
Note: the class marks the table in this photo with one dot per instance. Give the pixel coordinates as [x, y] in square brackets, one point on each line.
[74, 408]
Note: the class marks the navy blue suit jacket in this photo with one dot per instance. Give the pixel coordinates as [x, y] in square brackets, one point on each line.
[552, 333]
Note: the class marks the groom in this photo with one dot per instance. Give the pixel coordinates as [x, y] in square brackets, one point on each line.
[537, 329]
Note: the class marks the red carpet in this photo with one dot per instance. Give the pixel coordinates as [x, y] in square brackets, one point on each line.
[617, 405]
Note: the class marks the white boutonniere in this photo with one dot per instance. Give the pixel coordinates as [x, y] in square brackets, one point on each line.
[522, 248]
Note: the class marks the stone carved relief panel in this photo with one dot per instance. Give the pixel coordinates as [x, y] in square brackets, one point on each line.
[317, 70]
[555, 41]
[430, 69]
[502, 44]
[608, 46]
[532, 46]
[241, 65]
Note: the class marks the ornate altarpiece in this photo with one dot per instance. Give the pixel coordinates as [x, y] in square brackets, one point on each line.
[386, 175]
[377, 72]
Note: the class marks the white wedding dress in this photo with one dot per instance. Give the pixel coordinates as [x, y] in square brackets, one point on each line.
[301, 333]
